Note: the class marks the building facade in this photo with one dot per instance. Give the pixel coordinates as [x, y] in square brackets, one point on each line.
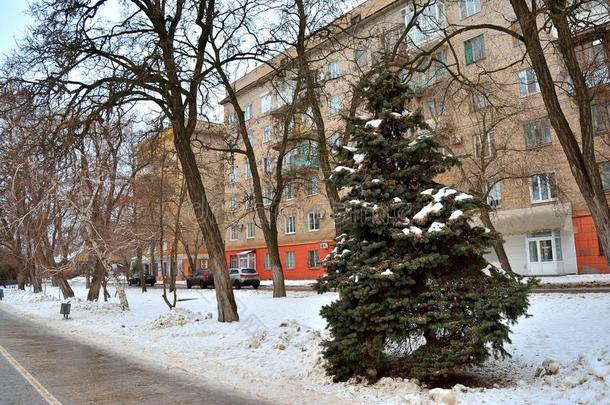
[494, 118]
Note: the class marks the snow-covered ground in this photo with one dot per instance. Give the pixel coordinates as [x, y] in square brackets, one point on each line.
[576, 279]
[274, 353]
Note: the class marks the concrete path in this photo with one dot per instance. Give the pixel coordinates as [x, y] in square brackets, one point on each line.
[39, 367]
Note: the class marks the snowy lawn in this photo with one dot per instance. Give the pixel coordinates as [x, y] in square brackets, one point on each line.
[586, 279]
[273, 352]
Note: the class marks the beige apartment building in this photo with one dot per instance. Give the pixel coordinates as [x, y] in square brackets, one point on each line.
[496, 122]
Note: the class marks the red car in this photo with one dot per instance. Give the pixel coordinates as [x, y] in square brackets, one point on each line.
[202, 278]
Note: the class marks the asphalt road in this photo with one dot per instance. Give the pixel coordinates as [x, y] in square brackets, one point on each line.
[39, 367]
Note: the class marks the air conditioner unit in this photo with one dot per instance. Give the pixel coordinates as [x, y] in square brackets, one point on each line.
[324, 245]
[456, 139]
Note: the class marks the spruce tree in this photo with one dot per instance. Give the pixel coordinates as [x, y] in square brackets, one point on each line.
[416, 296]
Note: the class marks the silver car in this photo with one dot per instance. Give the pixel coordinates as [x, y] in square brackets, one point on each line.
[242, 277]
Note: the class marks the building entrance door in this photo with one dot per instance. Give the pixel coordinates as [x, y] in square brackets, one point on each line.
[544, 253]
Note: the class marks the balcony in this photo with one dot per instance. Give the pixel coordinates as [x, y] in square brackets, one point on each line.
[302, 157]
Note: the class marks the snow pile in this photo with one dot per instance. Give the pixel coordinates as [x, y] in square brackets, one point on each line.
[178, 317]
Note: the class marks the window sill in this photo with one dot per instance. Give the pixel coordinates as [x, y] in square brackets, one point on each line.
[544, 201]
[468, 16]
[529, 94]
[313, 230]
[290, 233]
[313, 267]
[536, 147]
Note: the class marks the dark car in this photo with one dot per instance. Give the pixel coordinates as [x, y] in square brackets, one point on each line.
[202, 278]
[243, 277]
[135, 279]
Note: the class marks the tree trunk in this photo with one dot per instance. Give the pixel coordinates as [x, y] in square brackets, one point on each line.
[64, 286]
[279, 286]
[139, 267]
[35, 279]
[227, 308]
[21, 278]
[499, 244]
[96, 282]
[120, 289]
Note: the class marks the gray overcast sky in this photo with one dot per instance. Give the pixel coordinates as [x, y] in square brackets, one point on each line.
[13, 23]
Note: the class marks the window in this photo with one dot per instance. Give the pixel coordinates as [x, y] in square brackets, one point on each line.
[248, 112]
[537, 133]
[479, 101]
[516, 27]
[290, 225]
[249, 199]
[430, 23]
[268, 196]
[544, 246]
[440, 63]
[267, 261]
[390, 39]
[469, 7]
[600, 115]
[233, 203]
[232, 174]
[267, 133]
[311, 185]
[335, 138]
[494, 194]
[250, 135]
[291, 262]
[528, 82]
[234, 232]
[333, 71]
[234, 261]
[232, 119]
[334, 106]
[313, 259]
[361, 58]
[594, 60]
[474, 49]
[543, 187]
[436, 107]
[250, 230]
[485, 149]
[313, 221]
[604, 171]
[268, 165]
[285, 92]
[247, 171]
[266, 102]
[288, 192]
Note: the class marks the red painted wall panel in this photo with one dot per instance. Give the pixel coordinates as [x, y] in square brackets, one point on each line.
[588, 255]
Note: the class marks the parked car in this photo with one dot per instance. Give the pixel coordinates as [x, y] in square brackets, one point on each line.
[202, 278]
[135, 279]
[243, 277]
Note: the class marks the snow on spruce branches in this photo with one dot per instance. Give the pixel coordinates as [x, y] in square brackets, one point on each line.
[408, 264]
